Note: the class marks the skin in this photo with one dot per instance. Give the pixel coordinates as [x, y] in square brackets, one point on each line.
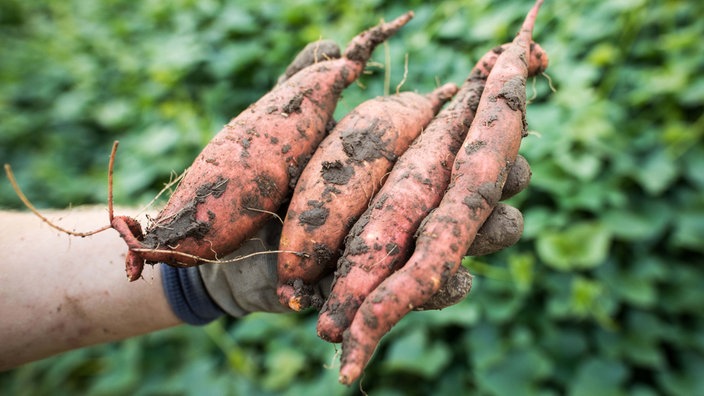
[59, 293]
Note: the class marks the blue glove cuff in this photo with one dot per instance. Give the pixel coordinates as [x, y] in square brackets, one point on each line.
[187, 296]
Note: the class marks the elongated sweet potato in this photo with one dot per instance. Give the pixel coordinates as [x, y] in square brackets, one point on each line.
[414, 187]
[477, 178]
[249, 167]
[339, 182]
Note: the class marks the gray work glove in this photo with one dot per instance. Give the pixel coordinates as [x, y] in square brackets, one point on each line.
[249, 285]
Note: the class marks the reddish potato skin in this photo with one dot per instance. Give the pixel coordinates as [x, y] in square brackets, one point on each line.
[248, 168]
[477, 178]
[414, 187]
[338, 183]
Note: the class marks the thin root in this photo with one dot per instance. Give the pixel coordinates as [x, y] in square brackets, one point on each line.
[535, 91]
[267, 212]
[28, 204]
[211, 261]
[174, 181]
[361, 388]
[387, 70]
[547, 76]
[315, 52]
[375, 64]
[333, 360]
[111, 166]
[389, 253]
[405, 74]
[382, 180]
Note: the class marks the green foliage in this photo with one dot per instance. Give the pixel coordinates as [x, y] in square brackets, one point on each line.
[602, 296]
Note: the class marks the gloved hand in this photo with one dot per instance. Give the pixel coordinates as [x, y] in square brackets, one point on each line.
[248, 285]
[201, 294]
[502, 228]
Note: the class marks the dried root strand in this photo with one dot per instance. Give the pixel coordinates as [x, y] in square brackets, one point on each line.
[111, 168]
[33, 209]
[176, 254]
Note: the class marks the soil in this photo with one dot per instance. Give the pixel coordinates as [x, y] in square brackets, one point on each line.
[514, 93]
[314, 217]
[336, 172]
[453, 291]
[502, 229]
[366, 144]
[184, 224]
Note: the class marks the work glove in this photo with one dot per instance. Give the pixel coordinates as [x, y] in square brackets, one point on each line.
[247, 281]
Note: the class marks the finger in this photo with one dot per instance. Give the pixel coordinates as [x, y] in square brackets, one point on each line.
[453, 291]
[325, 285]
[248, 284]
[501, 229]
[312, 53]
[517, 179]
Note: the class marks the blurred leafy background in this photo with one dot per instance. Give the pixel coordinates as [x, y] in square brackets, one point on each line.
[602, 296]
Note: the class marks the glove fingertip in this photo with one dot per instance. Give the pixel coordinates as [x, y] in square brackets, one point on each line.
[502, 229]
[518, 178]
[453, 291]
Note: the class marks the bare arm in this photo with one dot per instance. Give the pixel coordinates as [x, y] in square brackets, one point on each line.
[59, 292]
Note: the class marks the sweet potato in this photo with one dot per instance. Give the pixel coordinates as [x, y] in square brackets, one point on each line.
[338, 183]
[414, 187]
[478, 174]
[313, 53]
[249, 167]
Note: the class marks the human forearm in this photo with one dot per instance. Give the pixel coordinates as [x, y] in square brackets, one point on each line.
[59, 292]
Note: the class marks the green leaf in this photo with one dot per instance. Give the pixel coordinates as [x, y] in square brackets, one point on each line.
[565, 343]
[601, 377]
[638, 221]
[236, 19]
[522, 270]
[282, 367]
[637, 290]
[583, 245]
[657, 172]
[687, 381]
[689, 230]
[537, 219]
[517, 374]
[499, 298]
[486, 345]
[414, 353]
[694, 160]
[584, 166]
[638, 284]
[589, 299]
[548, 176]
